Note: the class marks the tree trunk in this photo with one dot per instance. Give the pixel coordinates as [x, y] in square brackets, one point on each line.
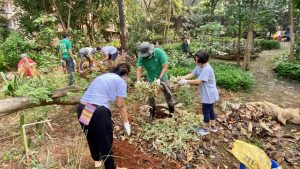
[239, 35]
[59, 16]
[167, 22]
[69, 15]
[292, 35]
[10, 105]
[212, 10]
[122, 24]
[249, 42]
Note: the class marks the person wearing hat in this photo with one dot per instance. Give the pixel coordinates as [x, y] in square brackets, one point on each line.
[155, 61]
[87, 53]
[66, 55]
[26, 66]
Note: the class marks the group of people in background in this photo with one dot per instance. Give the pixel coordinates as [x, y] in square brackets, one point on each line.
[66, 55]
[282, 35]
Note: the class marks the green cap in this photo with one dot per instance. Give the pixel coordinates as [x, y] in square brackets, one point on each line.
[145, 49]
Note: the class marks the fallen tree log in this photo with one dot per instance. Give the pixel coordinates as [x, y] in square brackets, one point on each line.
[14, 104]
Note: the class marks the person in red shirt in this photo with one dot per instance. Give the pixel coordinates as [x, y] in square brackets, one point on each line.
[27, 66]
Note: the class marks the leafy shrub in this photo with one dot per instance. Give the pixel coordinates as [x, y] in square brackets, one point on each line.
[180, 71]
[231, 77]
[12, 47]
[185, 94]
[211, 28]
[267, 44]
[289, 70]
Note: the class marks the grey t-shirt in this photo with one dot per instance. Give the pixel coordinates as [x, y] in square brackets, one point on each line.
[109, 50]
[88, 51]
[208, 88]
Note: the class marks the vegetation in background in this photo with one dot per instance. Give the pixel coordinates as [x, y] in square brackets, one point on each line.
[11, 49]
[287, 69]
[264, 44]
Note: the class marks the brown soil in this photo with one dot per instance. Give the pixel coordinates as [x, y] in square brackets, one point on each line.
[132, 158]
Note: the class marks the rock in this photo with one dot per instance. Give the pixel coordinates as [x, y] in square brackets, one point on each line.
[189, 166]
[180, 157]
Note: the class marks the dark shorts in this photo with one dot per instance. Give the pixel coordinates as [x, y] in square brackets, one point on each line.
[113, 57]
[208, 112]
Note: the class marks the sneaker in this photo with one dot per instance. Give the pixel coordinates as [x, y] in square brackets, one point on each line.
[213, 129]
[202, 131]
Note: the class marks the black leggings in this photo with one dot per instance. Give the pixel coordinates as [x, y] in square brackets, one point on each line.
[99, 134]
[208, 112]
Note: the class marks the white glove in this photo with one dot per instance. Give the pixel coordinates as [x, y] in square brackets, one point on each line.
[61, 61]
[101, 62]
[182, 82]
[157, 81]
[138, 82]
[127, 128]
[74, 62]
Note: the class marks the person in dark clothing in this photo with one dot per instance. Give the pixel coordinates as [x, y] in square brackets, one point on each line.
[95, 117]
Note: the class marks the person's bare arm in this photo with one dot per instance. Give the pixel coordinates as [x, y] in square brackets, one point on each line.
[194, 82]
[139, 71]
[122, 109]
[71, 54]
[59, 55]
[189, 76]
[163, 71]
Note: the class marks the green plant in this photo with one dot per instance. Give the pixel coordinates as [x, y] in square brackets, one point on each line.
[11, 86]
[12, 47]
[290, 70]
[162, 136]
[267, 44]
[232, 77]
[185, 94]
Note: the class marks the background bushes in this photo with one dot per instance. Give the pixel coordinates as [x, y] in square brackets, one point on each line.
[11, 49]
[264, 44]
[290, 70]
[232, 77]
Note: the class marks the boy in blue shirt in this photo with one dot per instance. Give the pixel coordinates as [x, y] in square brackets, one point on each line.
[208, 91]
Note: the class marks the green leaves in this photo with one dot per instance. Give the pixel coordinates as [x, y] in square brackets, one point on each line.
[12, 47]
[264, 44]
[231, 77]
[290, 70]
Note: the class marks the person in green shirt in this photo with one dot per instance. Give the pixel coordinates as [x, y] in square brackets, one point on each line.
[65, 54]
[155, 62]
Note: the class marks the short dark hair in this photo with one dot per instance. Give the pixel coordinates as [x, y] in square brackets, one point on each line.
[67, 34]
[201, 57]
[122, 69]
[98, 48]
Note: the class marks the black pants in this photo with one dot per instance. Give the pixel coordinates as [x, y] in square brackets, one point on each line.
[99, 134]
[185, 48]
[208, 112]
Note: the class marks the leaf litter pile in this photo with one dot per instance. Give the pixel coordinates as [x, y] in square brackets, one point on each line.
[261, 123]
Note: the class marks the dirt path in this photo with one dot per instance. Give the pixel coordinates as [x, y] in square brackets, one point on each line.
[268, 87]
